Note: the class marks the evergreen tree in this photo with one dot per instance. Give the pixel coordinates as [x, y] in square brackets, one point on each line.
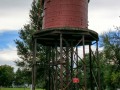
[25, 43]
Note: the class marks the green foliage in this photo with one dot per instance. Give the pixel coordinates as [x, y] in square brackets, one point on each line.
[6, 75]
[111, 43]
[19, 78]
[115, 78]
[111, 59]
[25, 43]
[35, 15]
[25, 47]
[18, 89]
[22, 76]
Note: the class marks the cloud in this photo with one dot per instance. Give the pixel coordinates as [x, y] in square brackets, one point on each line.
[12, 64]
[14, 14]
[104, 4]
[8, 56]
[8, 51]
[103, 15]
[15, 4]
[14, 22]
[7, 38]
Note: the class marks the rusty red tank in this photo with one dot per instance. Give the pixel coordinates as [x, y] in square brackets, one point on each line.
[65, 13]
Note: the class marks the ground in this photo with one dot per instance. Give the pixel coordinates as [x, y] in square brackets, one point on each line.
[18, 89]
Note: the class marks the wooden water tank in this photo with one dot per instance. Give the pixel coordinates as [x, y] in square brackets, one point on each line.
[65, 13]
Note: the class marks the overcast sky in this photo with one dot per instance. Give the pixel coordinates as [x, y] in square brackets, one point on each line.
[14, 14]
[103, 15]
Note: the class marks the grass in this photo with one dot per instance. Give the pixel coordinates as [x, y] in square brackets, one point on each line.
[18, 89]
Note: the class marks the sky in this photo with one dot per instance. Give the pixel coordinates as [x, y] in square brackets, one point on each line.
[103, 15]
[13, 15]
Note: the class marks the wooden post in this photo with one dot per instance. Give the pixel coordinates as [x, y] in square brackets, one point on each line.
[34, 65]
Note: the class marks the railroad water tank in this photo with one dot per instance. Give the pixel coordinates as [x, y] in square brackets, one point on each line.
[65, 13]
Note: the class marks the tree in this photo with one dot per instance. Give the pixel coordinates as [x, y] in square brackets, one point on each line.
[25, 43]
[6, 75]
[111, 53]
[22, 77]
[111, 43]
[19, 78]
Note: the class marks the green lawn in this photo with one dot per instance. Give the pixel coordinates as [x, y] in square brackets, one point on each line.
[18, 89]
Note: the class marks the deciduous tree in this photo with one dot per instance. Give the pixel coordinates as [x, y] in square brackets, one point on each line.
[6, 75]
[111, 53]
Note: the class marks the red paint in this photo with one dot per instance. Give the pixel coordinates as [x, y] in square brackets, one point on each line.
[75, 80]
[65, 13]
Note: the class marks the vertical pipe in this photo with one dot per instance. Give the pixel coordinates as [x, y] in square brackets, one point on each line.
[85, 79]
[90, 63]
[61, 62]
[34, 65]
